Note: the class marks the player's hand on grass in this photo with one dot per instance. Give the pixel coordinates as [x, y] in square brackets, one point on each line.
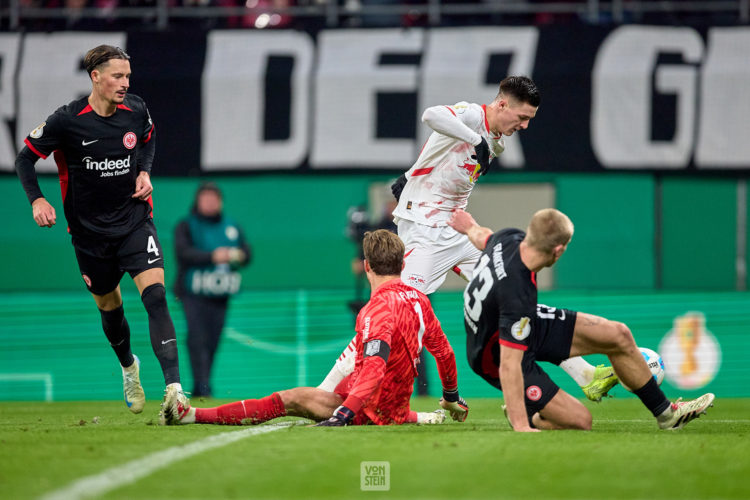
[526, 429]
[341, 416]
[143, 187]
[455, 405]
[398, 186]
[482, 156]
[44, 213]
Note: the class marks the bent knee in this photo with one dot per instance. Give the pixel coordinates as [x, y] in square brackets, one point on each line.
[621, 338]
[582, 421]
[154, 296]
[578, 419]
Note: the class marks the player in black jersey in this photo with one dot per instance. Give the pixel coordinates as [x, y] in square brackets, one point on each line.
[103, 145]
[508, 332]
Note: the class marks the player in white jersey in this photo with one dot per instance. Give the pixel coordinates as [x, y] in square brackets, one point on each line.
[465, 139]
[441, 180]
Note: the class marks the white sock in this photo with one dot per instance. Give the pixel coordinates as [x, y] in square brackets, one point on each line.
[579, 369]
[341, 368]
[666, 414]
[189, 418]
[176, 385]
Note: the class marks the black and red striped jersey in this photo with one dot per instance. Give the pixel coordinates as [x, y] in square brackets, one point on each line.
[97, 160]
[501, 298]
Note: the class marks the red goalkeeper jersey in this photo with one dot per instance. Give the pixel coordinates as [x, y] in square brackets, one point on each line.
[391, 330]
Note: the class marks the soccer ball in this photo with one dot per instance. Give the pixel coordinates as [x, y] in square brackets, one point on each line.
[655, 364]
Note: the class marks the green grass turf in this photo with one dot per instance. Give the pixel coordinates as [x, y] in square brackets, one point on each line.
[46, 446]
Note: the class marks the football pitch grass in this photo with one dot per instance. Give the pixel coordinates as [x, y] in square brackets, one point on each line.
[100, 450]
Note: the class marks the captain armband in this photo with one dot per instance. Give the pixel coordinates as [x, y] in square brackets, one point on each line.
[377, 348]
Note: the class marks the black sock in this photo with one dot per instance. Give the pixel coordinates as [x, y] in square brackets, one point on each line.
[161, 328]
[117, 330]
[653, 397]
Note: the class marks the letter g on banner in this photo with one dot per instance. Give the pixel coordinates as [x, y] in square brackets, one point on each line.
[621, 104]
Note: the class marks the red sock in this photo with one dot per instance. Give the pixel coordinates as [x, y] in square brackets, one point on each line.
[255, 410]
[412, 418]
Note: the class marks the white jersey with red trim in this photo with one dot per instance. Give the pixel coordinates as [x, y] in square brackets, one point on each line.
[441, 179]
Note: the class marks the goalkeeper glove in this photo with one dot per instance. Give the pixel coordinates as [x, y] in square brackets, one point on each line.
[455, 405]
[341, 416]
[482, 156]
[398, 186]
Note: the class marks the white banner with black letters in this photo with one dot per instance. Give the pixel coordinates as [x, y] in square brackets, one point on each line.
[632, 97]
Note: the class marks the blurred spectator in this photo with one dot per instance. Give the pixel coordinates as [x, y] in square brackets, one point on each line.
[264, 14]
[545, 18]
[210, 249]
[260, 14]
[356, 17]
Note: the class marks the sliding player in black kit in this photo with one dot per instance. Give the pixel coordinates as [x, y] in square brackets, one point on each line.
[508, 332]
[103, 145]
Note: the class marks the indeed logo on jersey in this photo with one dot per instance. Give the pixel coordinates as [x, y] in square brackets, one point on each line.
[108, 167]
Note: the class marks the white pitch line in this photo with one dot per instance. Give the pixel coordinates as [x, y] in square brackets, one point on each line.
[709, 420]
[132, 471]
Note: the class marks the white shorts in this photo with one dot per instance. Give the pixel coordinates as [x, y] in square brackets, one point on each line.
[432, 252]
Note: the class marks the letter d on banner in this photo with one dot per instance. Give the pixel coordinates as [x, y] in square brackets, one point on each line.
[233, 103]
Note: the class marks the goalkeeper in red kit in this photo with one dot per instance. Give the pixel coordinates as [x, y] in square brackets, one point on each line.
[391, 330]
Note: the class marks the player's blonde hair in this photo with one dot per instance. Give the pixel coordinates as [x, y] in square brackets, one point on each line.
[384, 251]
[549, 228]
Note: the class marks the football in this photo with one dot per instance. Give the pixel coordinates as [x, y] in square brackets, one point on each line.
[655, 364]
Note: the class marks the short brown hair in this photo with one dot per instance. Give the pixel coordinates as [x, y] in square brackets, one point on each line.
[549, 228]
[384, 251]
[99, 56]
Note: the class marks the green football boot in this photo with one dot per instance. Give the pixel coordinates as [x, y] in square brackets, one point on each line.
[604, 380]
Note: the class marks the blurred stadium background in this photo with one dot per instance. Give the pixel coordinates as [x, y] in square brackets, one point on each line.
[302, 110]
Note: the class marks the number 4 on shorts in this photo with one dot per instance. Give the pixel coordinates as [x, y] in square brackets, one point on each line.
[151, 246]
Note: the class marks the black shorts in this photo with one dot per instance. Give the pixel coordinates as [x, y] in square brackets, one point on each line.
[551, 338]
[104, 261]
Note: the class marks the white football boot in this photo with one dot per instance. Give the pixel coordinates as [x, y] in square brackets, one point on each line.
[175, 406]
[131, 386]
[682, 412]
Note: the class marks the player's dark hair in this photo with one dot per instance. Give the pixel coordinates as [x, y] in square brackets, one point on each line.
[384, 251]
[101, 55]
[521, 88]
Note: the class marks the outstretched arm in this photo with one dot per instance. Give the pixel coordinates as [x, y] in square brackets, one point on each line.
[511, 378]
[376, 351]
[443, 119]
[368, 381]
[437, 344]
[464, 223]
